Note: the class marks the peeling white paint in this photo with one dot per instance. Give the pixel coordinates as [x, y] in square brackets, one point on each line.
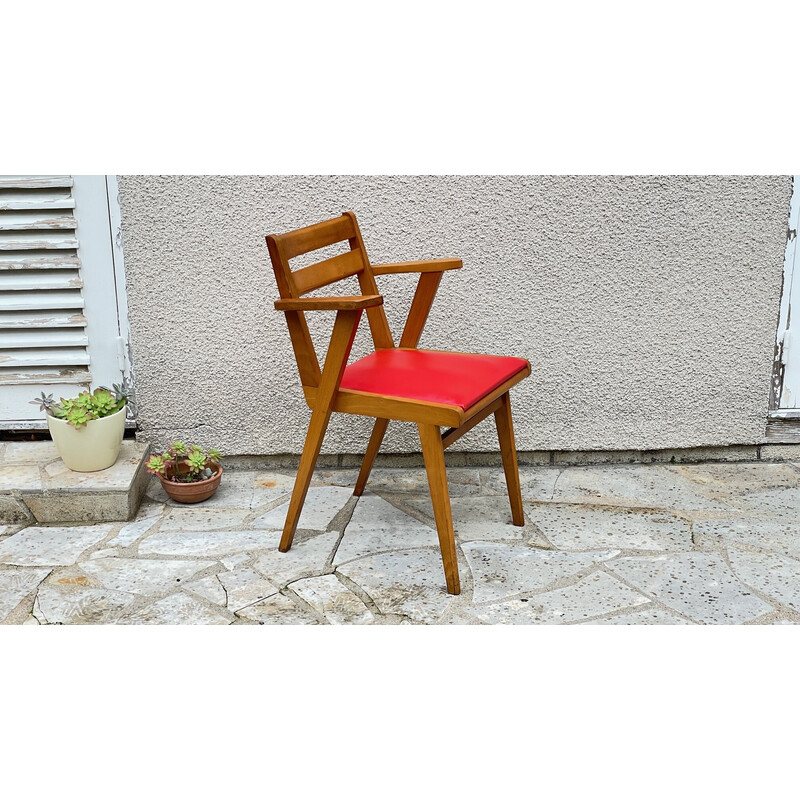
[788, 337]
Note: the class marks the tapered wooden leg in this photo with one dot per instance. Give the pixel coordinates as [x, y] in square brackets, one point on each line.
[433, 453]
[344, 331]
[314, 437]
[508, 451]
[375, 440]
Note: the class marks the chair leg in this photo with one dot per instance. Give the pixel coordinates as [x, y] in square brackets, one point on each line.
[344, 331]
[375, 440]
[311, 448]
[433, 453]
[508, 451]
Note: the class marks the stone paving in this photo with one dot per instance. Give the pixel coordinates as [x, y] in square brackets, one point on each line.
[611, 545]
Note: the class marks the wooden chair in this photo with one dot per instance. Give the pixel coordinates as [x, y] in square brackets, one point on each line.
[432, 388]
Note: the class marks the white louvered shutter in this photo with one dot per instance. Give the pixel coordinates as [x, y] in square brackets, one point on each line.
[63, 325]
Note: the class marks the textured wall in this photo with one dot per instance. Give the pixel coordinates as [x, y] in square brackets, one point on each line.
[647, 305]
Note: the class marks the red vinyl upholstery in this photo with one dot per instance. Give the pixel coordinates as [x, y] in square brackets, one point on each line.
[454, 379]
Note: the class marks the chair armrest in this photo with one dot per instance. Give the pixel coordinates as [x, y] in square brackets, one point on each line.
[432, 265]
[355, 303]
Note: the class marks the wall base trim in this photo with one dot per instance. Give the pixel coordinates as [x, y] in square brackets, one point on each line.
[533, 458]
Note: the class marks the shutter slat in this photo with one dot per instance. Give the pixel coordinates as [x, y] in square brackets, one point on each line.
[13, 240]
[9, 261]
[39, 200]
[57, 356]
[45, 375]
[36, 221]
[37, 205]
[38, 281]
[45, 338]
[35, 301]
[35, 182]
[41, 319]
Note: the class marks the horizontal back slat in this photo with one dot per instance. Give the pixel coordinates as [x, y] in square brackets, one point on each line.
[329, 271]
[304, 240]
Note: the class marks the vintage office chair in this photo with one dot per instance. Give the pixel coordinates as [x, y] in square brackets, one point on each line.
[432, 388]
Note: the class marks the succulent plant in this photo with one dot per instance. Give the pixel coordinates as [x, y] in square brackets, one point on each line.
[199, 463]
[44, 401]
[77, 411]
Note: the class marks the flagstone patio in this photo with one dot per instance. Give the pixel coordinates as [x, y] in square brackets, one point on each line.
[635, 544]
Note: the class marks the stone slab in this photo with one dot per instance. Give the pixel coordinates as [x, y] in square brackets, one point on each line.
[129, 534]
[207, 544]
[16, 585]
[647, 487]
[310, 555]
[651, 615]
[277, 610]
[78, 605]
[376, 526]
[52, 493]
[322, 504]
[329, 598]
[779, 504]
[780, 536]
[13, 510]
[269, 487]
[535, 484]
[105, 552]
[576, 527]
[592, 596]
[410, 583]
[209, 588]
[111, 506]
[55, 546]
[723, 480]
[480, 518]
[235, 560]
[207, 518]
[502, 570]
[30, 453]
[140, 575]
[177, 609]
[18, 477]
[416, 481]
[774, 575]
[57, 477]
[243, 490]
[245, 586]
[699, 585]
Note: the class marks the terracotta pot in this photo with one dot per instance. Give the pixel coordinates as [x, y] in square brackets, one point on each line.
[194, 492]
[92, 447]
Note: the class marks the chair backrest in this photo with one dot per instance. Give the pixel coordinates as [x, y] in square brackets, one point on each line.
[294, 284]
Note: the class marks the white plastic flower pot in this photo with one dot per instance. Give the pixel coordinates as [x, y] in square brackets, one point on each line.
[92, 447]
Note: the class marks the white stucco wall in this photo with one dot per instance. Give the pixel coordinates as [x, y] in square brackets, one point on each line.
[646, 305]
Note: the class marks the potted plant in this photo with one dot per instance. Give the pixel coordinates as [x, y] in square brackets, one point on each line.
[188, 473]
[87, 430]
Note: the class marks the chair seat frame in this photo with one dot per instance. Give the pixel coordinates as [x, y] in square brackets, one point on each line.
[324, 395]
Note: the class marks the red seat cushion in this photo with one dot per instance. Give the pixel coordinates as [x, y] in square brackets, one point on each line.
[455, 379]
